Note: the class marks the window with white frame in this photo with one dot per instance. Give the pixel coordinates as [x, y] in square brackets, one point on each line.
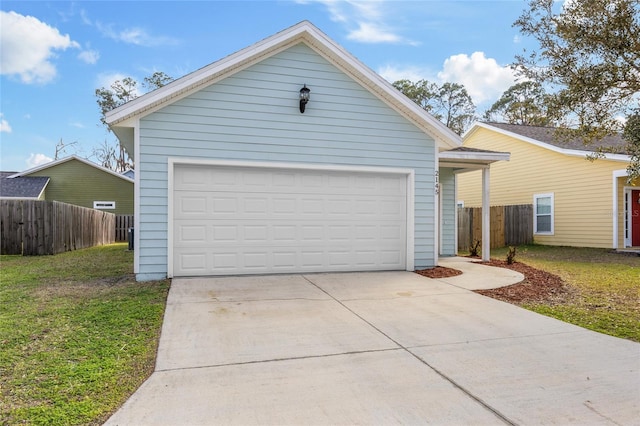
[104, 205]
[543, 214]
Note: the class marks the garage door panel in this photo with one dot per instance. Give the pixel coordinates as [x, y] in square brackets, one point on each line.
[246, 220]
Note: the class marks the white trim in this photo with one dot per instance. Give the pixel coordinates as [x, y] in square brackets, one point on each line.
[455, 213]
[535, 214]
[436, 208]
[565, 151]
[64, 160]
[316, 40]
[627, 225]
[484, 158]
[614, 211]
[136, 198]
[173, 161]
[411, 187]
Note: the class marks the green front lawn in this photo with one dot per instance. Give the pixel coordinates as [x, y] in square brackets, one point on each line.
[77, 335]
[607, 287]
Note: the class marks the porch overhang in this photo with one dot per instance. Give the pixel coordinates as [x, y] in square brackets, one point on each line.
[463, 159]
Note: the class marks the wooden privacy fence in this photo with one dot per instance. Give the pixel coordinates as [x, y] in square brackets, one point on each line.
[510, 226]
[33, 227]
[123, 223]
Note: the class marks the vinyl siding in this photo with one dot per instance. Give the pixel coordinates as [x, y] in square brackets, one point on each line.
[75, 182]
[448, 243]
[583, 190]
[253, 116]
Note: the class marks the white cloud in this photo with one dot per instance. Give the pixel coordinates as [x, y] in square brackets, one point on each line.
[368, 32]
[28, 46]
[483, 77]
[393, 73]
[35, 160]
[135, 35]
[4, 125]
[366, 21]
[89, 56]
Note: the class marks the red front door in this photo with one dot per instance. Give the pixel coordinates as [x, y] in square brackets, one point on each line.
[635, 218]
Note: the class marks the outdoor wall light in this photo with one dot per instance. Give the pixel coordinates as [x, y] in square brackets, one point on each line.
[304, 97]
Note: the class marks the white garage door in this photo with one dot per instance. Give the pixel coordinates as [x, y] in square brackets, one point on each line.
[230, 220]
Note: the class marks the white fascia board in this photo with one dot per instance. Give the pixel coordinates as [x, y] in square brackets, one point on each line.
[64, 160]
[318, 41]
[474, 156]
[569, 152]
[283, 165]
[620, 173]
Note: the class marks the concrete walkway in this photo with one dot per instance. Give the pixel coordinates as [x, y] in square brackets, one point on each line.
[375, 348]
[476, 276]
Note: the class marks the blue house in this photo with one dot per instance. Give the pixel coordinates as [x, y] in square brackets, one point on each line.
[289, 156]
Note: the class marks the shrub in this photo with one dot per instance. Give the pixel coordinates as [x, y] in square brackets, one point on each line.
[475, 248]
[511, 255]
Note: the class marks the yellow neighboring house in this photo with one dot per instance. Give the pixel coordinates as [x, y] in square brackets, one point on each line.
[577, 202]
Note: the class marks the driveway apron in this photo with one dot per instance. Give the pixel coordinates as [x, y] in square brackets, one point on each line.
[375, 348]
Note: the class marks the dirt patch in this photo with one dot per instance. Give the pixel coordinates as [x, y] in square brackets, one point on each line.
[439, 272]
[538, 286]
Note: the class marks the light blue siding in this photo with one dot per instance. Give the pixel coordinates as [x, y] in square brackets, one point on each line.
[253, 115]
[448, 243]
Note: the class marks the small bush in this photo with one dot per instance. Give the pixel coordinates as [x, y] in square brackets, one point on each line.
[511, 255]
[474, 250]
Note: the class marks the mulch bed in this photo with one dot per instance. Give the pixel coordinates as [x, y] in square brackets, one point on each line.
[439, 272]
[538, 286]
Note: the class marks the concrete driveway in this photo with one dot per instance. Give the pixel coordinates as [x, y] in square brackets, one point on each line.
[376, 348]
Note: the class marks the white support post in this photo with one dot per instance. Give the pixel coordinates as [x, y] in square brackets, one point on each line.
[486, 217]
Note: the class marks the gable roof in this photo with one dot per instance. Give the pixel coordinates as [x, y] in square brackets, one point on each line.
[66, 159]
[546, 137]
[122, 119]
[22, 187]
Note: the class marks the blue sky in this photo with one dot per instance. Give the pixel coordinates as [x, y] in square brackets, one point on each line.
[55, 54]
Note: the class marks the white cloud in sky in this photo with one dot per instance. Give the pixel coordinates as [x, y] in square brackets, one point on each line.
[483, 77]
[35, 160]
[28, 46]
[4, 125]
[366, 21]
[89, 56]
[393, 73]
[135, 35]
[368, 32]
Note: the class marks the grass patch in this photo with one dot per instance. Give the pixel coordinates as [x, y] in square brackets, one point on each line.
[78, 335]
[606, 284]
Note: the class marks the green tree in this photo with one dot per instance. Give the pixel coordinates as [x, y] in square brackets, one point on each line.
[112, 155]
[421, 92]
[449, 103]
[455, 107]
[523, 103]
[589, 55]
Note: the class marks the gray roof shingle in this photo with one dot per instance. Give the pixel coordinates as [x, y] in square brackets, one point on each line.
[21, 187]
[548, 135]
